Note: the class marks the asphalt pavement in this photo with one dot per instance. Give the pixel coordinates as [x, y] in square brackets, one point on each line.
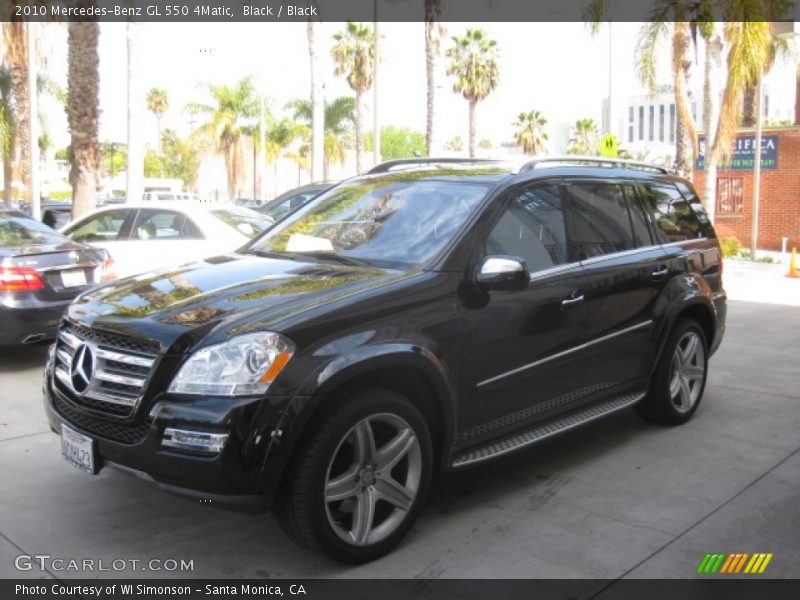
[618, 498]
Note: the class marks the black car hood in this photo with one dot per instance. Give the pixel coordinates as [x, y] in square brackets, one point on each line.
[178, 307]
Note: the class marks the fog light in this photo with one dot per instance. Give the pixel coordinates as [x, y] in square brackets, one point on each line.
[196, 441]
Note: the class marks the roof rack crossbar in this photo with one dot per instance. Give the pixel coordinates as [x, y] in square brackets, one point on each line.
[388, 165]
[595, 160]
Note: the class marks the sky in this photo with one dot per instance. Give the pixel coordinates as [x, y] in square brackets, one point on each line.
[557, 68]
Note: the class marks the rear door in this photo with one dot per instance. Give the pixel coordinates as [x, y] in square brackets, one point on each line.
[625, 272]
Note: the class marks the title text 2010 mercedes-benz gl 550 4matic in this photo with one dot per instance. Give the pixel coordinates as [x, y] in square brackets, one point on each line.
[424, 317]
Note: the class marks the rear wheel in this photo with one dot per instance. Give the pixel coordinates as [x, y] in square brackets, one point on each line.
[680, 377]
[360, 478]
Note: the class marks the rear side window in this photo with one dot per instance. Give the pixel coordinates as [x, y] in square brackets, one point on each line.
[532, 228]
[699, 210]
[601, 221]
[674, 218]
[164, 225]
[103, 227]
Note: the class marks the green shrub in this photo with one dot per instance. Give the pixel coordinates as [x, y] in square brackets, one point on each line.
[731, 246]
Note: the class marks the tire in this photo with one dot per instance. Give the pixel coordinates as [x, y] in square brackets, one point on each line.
[679, 379]
[359, 478]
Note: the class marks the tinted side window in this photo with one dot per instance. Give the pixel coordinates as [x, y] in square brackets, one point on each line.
[641, 230]
[601, 221]
[698, 208]
[532, 228]
[674, 219]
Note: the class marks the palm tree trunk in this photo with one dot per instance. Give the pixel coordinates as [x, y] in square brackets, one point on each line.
[749, 107]
[713, 63]
[430, 65]
[472, 116]
[686, 148]
[8, 178]
[16, 47]
[82, 113]
[359, 131]
[317, 110]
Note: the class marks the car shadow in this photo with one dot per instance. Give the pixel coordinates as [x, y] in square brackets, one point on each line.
[15, 358]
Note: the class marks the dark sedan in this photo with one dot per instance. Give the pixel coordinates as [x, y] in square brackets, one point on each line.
[41, 272]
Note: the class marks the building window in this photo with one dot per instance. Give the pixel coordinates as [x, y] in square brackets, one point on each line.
[672, 124]
[651, 130]
[729, 195]
[661, 123]
[641, 123]
[630, 124]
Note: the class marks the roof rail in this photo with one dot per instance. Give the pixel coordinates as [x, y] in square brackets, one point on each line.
[600, 161]
[389, 165]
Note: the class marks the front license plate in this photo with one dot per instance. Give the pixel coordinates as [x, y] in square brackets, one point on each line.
[77, 450]
[73, 278]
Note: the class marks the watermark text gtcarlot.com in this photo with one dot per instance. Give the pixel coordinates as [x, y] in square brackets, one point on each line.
[46, 562]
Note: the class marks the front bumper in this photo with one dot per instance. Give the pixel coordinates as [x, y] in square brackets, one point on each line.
[242, 476]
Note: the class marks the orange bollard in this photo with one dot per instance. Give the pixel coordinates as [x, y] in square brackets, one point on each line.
[793, 264]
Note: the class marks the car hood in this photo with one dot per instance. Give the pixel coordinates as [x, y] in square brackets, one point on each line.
[178, 307]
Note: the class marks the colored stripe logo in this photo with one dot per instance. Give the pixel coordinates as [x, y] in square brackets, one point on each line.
[735, 563]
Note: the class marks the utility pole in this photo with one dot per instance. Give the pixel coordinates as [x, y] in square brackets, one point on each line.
[33, 120]
[757, 164]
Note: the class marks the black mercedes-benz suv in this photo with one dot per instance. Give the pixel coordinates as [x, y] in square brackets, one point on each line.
[426, 316]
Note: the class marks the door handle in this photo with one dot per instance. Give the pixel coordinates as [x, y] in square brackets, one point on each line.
[660, 273]
[573, 299]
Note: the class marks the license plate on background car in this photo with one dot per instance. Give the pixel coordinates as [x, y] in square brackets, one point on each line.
[73, 278]
[77, 450]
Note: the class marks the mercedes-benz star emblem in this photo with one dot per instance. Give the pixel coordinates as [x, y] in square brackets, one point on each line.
[81, 369]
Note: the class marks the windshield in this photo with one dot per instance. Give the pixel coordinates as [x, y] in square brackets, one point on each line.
[390, 222]
[16, 232]
[247, 222]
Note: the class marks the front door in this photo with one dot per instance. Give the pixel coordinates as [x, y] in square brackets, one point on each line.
[520, 359]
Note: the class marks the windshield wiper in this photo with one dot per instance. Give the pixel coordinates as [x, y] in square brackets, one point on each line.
[332, 256]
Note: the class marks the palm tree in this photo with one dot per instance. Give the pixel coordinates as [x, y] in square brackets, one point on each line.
[7, 133]
[585, 137]
[530, 134]
[434, 32]
[15, 48]
[82, 113]
[354, 55]
[473, 63]
[339, 123]
[230, 117]
[158, 104]
[279, 135]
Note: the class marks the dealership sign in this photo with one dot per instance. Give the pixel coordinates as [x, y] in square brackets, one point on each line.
[743, 156]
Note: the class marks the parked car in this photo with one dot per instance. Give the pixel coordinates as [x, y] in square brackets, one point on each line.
[56, 214]
[428, 316]
[169, 196]
[41, 272]
[148, 235]
[290, 201]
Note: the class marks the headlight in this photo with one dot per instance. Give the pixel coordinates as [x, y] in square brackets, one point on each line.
[244, 365]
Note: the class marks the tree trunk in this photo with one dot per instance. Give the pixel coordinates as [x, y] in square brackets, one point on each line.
[16, 54]
[472, 116]
[8, 178]
[687, 143]
[318, 168]
[359, 131]
[749, 115]
[713, 63]
[134, 184]
[430, 65]
[82, 113]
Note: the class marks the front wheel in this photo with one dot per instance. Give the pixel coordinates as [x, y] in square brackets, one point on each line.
[679, 378]
[361, 477]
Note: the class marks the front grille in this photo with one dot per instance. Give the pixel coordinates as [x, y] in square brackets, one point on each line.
[124, 434]
[120, 367]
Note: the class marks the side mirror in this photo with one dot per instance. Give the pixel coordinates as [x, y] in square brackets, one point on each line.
[502, 273]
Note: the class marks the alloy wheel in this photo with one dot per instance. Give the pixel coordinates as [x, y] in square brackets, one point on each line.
[687, 372]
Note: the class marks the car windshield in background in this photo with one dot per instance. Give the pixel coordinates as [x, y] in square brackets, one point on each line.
[384, 222]
[245, 221]
[15, 232]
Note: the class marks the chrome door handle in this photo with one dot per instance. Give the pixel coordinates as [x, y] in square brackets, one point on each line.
[661, 272]
[572, 300]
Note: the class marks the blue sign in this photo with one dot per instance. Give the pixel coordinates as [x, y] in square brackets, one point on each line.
[743, 156]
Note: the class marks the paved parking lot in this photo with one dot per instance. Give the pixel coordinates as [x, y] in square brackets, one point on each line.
[617, 498]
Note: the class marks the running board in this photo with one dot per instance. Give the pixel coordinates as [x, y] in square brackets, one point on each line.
[546, 430]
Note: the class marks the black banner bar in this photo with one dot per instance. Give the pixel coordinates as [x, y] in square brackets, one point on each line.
[277, 11]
